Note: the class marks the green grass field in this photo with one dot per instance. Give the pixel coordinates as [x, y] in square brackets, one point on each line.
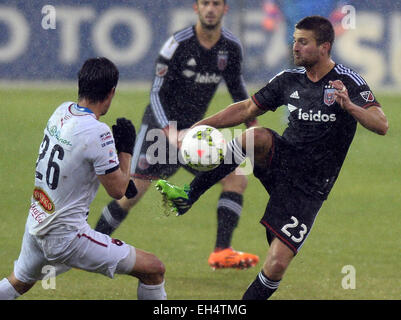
[359, 225]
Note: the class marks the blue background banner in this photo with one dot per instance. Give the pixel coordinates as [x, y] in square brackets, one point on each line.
[49, 40]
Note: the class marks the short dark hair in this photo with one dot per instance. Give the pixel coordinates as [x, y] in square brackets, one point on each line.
[96, 79]
[321, 27]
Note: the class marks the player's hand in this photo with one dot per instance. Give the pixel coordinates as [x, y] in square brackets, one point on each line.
[124, 135]
[341, 93]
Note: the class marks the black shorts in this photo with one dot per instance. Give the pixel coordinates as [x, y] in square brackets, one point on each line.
[290, 212]
[154, 158]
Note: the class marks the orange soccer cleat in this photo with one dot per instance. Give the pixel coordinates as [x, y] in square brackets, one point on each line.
[229, 258]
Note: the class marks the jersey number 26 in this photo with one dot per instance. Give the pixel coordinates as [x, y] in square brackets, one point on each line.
[53, 169]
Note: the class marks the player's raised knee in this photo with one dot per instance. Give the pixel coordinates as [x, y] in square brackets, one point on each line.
[155, 267]
[259, 137]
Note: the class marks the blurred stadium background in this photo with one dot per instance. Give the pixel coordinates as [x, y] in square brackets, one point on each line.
[131, 33]
[358, 226]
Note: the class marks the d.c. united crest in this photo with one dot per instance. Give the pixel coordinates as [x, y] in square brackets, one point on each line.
[329, 97]
[222, 58]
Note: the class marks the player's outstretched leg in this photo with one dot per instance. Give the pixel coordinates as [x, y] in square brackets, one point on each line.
[117, 210]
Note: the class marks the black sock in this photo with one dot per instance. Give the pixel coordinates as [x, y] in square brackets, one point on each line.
[112, 216]
[204, 180]
[228, 212]
[261, 288]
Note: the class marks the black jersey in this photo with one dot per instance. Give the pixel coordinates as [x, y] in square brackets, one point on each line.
[319, 129]
[187, 76]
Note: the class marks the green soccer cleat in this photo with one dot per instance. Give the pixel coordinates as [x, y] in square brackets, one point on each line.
[176, 197]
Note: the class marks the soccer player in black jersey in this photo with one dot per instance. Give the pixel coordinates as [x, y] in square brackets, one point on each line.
[188, 70]
[326, 101]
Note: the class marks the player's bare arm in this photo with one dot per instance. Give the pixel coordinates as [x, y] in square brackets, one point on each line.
[235, 114]
[372, 118]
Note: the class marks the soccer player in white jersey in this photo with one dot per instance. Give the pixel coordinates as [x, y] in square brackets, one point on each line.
[78, 152]
[188, 70]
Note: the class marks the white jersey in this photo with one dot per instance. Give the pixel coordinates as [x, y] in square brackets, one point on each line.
[75, 149]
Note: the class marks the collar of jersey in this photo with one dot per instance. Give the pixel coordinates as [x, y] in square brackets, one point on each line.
[82, 110]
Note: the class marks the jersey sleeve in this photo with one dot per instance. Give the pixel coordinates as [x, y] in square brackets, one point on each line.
[101, 150]
[362, 96]
[270, 97]
[233, 77]
[163, 68]
[358, 89]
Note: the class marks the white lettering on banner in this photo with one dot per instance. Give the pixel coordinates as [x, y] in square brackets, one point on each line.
[395, 47]
[140, 40]
[350, 49]
[279, 46]
[255, 36]
[18, 31]
[375, 35]
[180, 19]
[70, 19]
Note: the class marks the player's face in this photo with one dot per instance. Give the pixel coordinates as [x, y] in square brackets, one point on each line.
[305, 50]
[210, 12]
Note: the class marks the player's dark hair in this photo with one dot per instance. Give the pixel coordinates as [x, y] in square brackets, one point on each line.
[321, 27]
[96, 79]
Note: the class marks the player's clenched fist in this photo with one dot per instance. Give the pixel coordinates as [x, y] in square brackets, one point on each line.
[124, 135]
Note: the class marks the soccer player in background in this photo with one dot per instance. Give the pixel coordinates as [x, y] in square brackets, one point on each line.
[78, 152]
[189, 68]
[326, 101]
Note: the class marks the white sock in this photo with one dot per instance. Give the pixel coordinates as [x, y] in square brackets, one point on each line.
[7, 291]
[151, 292]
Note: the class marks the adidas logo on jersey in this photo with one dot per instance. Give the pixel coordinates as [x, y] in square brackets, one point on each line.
[294, 95]
[188, 73]
[191, 62]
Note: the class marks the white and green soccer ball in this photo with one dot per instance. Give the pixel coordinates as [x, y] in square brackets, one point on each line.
[203, 148]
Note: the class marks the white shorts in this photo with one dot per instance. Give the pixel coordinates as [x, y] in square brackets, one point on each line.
[87, 250]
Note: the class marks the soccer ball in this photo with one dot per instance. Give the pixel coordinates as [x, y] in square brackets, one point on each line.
[203, 148]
